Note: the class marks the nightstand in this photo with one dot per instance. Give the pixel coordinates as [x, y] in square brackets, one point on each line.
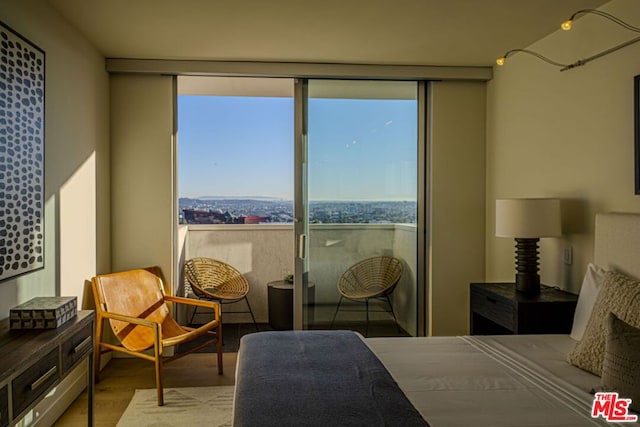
[496, 309]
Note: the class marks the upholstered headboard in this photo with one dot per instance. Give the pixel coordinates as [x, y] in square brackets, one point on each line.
[617, 243]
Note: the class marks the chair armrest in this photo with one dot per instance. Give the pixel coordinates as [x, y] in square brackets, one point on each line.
[130, 319]
[191, 301]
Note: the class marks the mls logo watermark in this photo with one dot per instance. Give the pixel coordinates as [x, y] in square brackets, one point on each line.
[612, 408]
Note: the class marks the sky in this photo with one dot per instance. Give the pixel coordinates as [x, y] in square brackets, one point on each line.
[243, 146]
[235, 146]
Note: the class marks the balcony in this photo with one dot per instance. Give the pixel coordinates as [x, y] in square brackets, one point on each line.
[265, 252]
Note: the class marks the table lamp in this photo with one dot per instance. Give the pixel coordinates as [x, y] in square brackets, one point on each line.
[527, 220]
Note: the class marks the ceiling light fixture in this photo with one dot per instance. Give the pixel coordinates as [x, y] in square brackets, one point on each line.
[567, 25]
[500, 61]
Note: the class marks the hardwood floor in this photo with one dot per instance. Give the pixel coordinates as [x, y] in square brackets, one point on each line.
[121, 377]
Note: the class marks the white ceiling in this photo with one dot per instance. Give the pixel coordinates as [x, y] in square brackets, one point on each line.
[401, 32]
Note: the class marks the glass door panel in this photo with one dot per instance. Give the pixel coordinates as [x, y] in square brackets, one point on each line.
[356, 191]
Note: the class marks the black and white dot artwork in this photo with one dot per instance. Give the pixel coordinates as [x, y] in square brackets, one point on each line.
[22, 79]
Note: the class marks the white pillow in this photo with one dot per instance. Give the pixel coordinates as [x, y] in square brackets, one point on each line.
[591, 284]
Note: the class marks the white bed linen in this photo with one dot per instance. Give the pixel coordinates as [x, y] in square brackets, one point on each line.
[514, 380]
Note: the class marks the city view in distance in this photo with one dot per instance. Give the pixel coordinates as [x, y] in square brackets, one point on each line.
[263, 210]
[361, 165]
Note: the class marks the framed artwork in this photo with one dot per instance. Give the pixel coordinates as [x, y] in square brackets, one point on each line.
[22, 94]
[636, 124]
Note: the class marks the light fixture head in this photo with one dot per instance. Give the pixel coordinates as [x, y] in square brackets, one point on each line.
[500, 61]
[566, 25]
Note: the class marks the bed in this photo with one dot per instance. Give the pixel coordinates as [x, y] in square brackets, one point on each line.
[309, 378]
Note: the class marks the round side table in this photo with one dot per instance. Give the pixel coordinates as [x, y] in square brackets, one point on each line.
[280, 302]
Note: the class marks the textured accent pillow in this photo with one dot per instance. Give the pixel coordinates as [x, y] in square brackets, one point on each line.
[621, 365]
[619, 295]
[591, 285]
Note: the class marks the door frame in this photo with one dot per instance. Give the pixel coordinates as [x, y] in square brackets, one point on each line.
[301, 233]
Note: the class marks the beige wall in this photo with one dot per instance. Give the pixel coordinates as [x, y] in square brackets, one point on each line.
[142, 197]
[564, 134]
[405, 296]
[457, 176]
[77, 222]
[76, 157]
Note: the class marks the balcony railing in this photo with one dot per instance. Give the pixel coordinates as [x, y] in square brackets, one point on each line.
[265, 252]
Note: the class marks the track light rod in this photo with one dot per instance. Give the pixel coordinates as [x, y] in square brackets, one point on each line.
[567, 25]
[501, 60]
[601, 54]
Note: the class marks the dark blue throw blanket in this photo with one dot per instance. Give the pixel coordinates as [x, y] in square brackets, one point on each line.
[316, 378]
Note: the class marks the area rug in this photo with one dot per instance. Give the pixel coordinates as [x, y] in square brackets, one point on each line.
[188, 406]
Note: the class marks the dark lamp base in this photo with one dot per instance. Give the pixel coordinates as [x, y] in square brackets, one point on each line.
[527, 278]
[527, 284]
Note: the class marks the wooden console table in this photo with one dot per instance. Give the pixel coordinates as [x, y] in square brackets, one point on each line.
[35, 361]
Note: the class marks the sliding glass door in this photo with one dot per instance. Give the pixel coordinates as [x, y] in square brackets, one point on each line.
[356, 201]
[333, 165]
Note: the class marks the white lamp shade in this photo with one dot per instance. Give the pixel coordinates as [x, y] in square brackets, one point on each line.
[528, 218]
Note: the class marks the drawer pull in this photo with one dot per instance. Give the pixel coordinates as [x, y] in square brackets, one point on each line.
[80, 347]
[51, 372]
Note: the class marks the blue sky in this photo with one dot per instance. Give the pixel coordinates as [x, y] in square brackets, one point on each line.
[235, 146]
[362, 149]
[243, 146]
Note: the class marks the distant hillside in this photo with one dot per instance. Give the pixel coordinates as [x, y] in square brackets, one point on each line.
[266, 198]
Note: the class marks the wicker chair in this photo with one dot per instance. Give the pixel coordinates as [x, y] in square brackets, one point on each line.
[371, 278]
[214, 280]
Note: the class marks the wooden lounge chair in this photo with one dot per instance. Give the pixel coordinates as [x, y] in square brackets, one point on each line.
[135, 305]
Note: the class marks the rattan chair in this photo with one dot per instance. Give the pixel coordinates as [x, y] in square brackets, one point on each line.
[371, 278]
[135, 305]
[214, 280]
